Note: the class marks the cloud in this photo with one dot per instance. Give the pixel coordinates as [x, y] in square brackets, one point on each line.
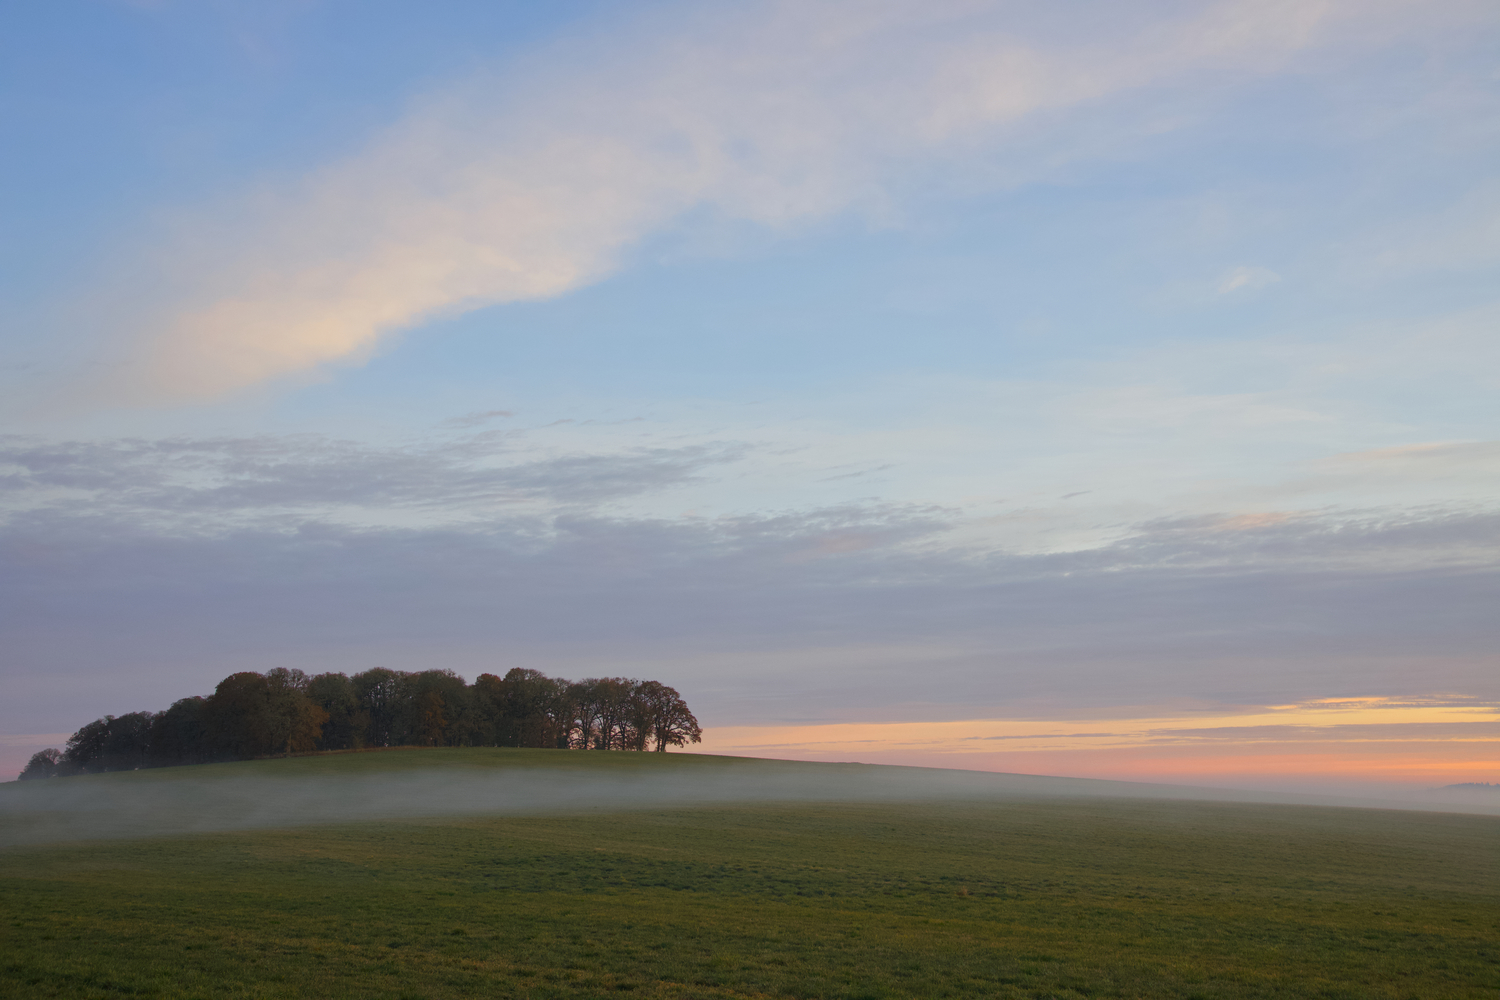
[527, 184]
[1408, 540]
[510, 481]
[1461, 473]
[1425, 457]
[310, 475]
[476, 419]
[1247, 279]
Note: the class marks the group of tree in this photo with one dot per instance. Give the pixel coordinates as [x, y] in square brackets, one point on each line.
[285, 712]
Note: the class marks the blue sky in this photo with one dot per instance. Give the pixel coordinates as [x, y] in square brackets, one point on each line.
[837, 362]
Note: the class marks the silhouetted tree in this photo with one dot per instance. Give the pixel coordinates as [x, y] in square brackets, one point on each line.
[640, 714]
[111, 744]
[613, 694]
[582, 710]
[670, 722]
[180, 735]
[127, 743]
[43, 764]
[84, 753]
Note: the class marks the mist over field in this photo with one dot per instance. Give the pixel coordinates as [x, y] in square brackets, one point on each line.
[255, 796]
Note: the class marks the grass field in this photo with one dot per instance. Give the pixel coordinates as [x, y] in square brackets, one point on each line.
[1040, 897]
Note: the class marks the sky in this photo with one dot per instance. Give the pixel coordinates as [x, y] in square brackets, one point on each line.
[1103, 389]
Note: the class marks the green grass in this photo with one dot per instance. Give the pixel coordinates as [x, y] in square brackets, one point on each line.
[1040, 898]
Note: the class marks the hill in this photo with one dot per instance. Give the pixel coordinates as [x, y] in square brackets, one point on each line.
[857, 882]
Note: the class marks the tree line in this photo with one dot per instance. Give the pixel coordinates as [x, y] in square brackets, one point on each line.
[285, 711]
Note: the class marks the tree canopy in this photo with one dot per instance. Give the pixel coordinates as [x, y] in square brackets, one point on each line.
[285, 711]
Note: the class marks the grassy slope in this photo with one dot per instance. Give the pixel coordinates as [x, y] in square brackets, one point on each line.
[1040, 898]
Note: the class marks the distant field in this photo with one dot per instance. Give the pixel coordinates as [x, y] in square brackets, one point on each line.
[1021, 897]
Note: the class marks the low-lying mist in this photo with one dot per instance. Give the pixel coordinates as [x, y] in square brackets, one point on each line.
[192, 800]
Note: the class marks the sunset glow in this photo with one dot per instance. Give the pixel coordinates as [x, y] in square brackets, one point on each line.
[1373, 739]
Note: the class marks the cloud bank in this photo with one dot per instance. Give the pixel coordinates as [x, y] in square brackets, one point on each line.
[195, 557]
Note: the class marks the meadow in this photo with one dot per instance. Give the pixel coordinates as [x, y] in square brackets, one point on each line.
[1016, 895]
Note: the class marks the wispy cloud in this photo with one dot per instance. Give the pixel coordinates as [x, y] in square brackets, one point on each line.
[529, 184]
[1407, 458]
[313, 476]
[476, 419]
[1245, 278]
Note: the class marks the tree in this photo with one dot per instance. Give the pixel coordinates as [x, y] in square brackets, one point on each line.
[254, 715]
[613, 694]
[127, 742]
[671, 722]
[85, 748]
[432, 725]
[378, 691]
[436, 704]
[111, 744]
[237, 716]
[179, 735]
[295, 722]
[532, 709]
[488, 705]
[640, 714]
[43, 764]
[347, 721]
